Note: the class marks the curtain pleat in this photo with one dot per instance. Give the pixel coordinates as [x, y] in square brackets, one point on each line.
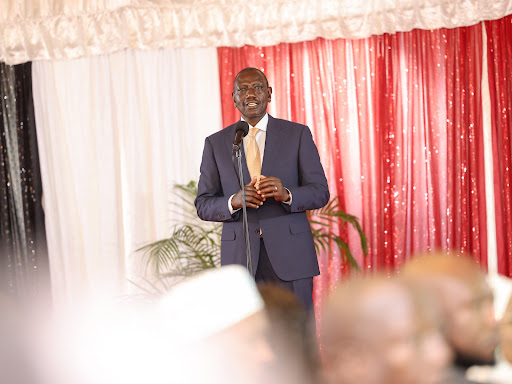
[499, 50]
[23, 251]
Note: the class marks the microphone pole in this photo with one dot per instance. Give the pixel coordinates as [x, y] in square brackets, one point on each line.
[244, 213]
[243, 126]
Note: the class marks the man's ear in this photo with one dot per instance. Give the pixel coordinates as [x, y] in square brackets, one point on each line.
[269, 94]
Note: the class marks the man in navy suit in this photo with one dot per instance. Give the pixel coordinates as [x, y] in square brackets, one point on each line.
[292, 181]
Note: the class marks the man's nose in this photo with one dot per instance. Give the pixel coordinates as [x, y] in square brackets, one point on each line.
[251, 92]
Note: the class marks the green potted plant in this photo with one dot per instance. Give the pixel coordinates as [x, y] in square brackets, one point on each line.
[194, 244]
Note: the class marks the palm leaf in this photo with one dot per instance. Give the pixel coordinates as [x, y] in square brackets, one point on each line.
[322, 220]
[194, 245]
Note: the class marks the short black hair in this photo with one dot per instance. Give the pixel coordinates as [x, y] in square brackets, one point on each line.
[249, 69]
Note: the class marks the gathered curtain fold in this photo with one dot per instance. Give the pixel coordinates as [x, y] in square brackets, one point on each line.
[499, 51]
[63, 29]
[23, 254]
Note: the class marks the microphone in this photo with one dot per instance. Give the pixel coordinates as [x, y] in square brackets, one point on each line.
[242, 129]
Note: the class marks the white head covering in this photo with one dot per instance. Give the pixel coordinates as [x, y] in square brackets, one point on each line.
[210, 302]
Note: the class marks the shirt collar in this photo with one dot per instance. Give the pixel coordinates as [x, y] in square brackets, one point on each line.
[262, 124]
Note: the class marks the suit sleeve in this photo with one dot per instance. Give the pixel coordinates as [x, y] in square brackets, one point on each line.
[313, 191]
[211, 203]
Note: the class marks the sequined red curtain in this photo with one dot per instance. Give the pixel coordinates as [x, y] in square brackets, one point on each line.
[397, 120]
[499, 59]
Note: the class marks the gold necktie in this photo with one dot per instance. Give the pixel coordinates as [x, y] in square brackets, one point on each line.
[253, 154]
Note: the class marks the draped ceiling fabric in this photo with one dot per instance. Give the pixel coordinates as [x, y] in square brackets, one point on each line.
[65, 29]
[115, 133]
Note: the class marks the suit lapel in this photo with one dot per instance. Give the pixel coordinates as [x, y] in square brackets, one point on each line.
[247, 175]
[272, 145]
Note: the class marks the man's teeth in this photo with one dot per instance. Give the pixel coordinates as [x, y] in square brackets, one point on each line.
[251, 104]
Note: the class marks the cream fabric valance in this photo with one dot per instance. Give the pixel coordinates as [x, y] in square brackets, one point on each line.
[65, 29]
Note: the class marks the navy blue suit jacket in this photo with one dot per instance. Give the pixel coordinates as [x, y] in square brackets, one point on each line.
[291, 155]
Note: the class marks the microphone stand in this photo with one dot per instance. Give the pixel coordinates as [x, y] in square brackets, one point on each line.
[244, 208]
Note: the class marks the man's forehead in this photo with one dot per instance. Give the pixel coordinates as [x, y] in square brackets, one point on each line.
[250, 81]
[249, 75]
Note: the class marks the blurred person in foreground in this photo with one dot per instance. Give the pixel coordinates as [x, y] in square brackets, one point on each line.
[224, 311]
[292, 329]
[376, 331]
[501, 372]
[211, 328]
[506, 332]
[465, 300]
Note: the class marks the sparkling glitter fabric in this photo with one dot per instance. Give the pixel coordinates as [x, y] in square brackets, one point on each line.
[397, 121]
[499, 53]
[23, 255]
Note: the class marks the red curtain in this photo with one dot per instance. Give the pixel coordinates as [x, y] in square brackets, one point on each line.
[397, 121]
[499, 53]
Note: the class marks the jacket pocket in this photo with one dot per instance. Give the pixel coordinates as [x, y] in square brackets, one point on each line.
[299, 227]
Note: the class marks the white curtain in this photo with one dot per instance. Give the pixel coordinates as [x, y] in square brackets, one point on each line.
[66, 29]
[115, 133]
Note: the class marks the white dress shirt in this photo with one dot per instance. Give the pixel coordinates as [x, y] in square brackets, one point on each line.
[260, 137]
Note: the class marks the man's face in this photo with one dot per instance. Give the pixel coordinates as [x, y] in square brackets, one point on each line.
[410, 347]
[251, 95]
[506, 332]
[471, 326]
[399, 342]
[247, 343]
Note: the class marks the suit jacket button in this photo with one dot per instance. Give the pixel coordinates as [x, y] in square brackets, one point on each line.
[300, 207]
[221, 216]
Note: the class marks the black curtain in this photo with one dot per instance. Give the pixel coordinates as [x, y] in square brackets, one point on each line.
[24, 272]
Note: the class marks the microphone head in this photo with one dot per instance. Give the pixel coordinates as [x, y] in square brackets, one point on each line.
[242, 126]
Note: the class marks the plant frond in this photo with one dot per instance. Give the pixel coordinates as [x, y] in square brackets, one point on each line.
[346, 254]
[194, 245]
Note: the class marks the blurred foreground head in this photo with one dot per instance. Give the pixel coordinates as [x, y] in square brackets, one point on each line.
[506, 332]
[210, 328]
[242, 338]
[292, 332]
[460, 288]
[221, 313]
[376, 331]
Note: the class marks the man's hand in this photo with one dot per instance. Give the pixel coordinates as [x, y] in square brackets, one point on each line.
[252, 198]
[272, 187]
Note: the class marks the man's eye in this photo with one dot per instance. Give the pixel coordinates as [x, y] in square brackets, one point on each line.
[241, 89]
[258, 87]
